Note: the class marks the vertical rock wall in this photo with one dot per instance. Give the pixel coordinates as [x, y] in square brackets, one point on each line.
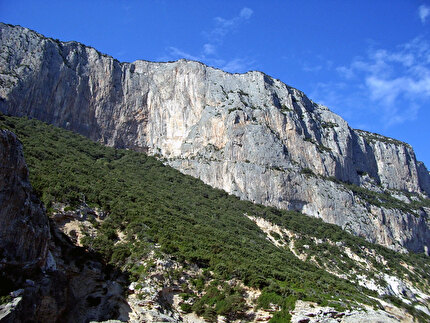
[24, 228]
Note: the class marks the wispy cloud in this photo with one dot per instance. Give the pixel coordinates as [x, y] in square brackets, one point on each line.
[209, 52]
[176, 52]
[224, 26]
[397, 76]
[386, 87]
[312, 68]
[319, 63]
[234, 65]
[209, 49]
[423, 13]
[237, 65]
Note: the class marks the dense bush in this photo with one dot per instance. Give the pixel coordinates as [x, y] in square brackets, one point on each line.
[152, 203]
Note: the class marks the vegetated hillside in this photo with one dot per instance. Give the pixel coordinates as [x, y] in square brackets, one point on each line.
[44, 276]
[149, 204]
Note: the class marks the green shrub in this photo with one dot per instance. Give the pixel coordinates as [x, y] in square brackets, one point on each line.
[152, 203]
[5, 299]
[265, 300]
[187, 308]
[307, 171]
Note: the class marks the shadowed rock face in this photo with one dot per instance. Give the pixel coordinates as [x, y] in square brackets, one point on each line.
[248, 134]
[53, 280]
[24, 228]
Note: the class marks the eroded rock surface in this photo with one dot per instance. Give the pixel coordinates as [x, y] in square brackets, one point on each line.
[20, 211]
[307, 312]
[248, 134]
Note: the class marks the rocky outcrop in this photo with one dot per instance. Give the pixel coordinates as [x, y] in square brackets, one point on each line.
[307, 312]
[248, 134]
[24, 228]
[47, 278]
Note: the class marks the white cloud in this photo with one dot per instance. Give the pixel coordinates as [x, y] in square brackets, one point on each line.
[208, 53]
[209, 49]
[236, 65]
[346, 72]
[393, 85]
[224, 26]
[175, 53]
[247, 13]
[423, 13]
[388, 90]
[406, 73]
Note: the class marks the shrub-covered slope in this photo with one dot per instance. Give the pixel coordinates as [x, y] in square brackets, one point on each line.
[149, 204]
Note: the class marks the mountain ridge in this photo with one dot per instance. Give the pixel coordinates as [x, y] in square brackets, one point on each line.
[248, 134]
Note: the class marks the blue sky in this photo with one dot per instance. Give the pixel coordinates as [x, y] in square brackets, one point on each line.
[368, 61]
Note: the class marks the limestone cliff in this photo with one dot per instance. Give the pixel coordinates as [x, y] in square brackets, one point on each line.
[248, 134]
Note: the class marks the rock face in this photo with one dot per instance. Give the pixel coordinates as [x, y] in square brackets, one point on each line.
[49, 279]
[312, 313]
[248, 134]
[24, 228]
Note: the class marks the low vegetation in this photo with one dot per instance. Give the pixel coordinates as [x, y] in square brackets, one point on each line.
[151, 203]
[371, 138]
[384, 198]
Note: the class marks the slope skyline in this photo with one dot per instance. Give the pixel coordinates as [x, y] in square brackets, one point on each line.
[375, 74]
